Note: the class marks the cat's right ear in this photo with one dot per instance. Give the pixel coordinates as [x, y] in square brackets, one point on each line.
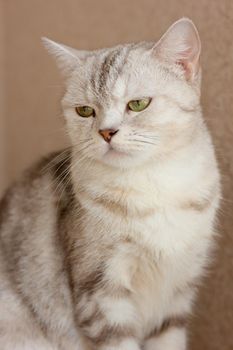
[66, 57]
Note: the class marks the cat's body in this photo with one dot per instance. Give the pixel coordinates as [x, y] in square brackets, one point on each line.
[109, 253]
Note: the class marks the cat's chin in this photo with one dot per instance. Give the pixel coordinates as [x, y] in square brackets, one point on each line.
[119, 159]
[112, 152]
[115, 157]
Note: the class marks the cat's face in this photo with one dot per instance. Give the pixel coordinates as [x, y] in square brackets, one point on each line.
[130, 104]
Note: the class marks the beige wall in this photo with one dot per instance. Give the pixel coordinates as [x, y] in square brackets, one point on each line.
[3, 171]
[32, 116]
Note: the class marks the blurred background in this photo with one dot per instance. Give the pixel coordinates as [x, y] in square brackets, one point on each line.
[31, 123]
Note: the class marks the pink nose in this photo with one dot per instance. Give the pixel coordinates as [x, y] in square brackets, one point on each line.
[107, 134]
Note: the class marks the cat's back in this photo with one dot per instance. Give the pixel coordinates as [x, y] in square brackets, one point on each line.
[31, 256]
[32, 203]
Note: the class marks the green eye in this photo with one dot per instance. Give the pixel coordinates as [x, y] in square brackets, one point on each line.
[85, 111]
[139, 105]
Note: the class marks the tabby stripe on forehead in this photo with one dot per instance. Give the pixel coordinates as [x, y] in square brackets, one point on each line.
[112, 64]
[97, 78]
[107, 64]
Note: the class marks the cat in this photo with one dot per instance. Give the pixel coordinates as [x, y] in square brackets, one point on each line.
[103, 244]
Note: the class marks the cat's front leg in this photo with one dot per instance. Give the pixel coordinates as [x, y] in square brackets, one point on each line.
[173, 338]
[108, 322]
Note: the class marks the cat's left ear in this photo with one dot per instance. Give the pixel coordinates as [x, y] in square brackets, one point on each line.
[181, 45]
[66, 57]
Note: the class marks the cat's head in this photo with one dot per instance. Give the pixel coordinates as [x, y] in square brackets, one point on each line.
[132, 103]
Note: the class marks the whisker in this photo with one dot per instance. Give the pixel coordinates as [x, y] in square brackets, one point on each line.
[66, 179]
[62, 156]
[63, 179]
[60, 178]
[147, 136]
[145, 141]
[85, 147]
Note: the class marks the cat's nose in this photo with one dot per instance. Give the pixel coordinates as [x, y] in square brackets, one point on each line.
[107, 134]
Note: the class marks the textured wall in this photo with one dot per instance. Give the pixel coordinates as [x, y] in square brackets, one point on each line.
[33, 117]
[3, 172]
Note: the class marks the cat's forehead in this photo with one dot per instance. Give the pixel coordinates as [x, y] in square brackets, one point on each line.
[111, 70]
[107, 67]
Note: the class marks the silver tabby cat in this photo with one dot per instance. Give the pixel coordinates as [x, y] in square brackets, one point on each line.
[102, 246]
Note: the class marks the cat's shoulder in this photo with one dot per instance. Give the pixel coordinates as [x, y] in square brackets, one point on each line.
[47, 179]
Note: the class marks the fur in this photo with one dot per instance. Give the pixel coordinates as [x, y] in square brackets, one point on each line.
[103, 245]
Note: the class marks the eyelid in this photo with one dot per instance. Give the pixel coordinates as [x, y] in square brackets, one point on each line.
[84, 105]
[129, 110]
[140, 98]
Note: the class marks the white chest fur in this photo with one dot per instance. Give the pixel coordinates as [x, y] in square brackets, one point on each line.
[159, 271]
[161, 225]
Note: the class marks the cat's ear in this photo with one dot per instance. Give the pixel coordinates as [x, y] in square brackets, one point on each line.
[66, 57]
[181, 45]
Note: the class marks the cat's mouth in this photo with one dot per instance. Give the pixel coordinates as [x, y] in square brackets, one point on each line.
[114, 152]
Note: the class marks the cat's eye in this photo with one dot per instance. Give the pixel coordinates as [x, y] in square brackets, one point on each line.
[85, 111]
[139, 105]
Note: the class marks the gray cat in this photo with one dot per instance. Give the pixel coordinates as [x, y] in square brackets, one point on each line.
[102, 245]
